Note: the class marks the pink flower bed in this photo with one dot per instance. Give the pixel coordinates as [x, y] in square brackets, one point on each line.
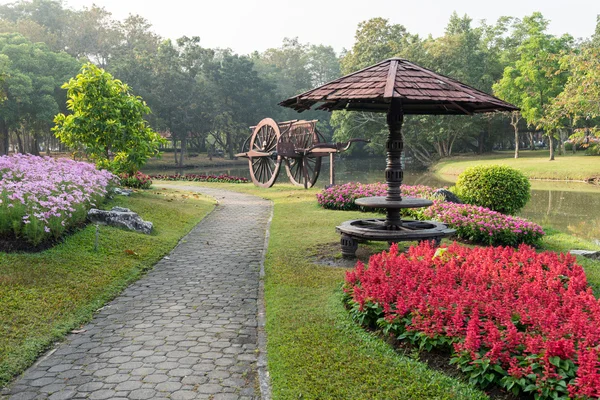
[341, 197]
[40, 197]
[482, 225]
[523, 320]
[473, 223]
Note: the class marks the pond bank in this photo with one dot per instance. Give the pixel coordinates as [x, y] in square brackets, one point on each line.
[533, 163]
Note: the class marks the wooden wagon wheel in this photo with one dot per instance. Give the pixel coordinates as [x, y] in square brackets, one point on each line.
[264, 170]
[304, 169]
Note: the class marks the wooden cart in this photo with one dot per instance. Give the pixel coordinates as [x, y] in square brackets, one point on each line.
[297, 143]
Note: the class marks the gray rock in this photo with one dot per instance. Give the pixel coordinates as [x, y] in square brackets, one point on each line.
[594, 255]
[448, 196]
[123, 192]
[120, 217]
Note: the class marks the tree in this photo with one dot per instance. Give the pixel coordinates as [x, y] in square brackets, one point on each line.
[33, 75]
[579, 102]
[506, 88]
[107, 121]
[536, 77]
[240, 99]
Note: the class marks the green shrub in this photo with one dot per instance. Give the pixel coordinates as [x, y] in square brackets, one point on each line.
[497, 187]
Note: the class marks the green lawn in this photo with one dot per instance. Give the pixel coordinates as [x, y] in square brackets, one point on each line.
[315, 351]
[45, 295]
[534, 164]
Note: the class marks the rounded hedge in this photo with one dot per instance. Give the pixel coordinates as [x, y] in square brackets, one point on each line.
[498, 187]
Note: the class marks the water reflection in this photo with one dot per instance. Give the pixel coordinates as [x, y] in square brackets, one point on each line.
[573, 208]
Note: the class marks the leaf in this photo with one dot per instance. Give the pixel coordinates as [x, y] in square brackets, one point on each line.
[555, 360]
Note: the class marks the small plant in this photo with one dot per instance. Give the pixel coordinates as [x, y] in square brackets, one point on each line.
[497, 187]
[136, 181]
[523, 320]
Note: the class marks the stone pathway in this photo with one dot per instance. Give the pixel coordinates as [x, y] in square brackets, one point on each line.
[189, 329]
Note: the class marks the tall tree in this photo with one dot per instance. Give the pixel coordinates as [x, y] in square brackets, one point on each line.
[34, 75]
[240, 97]
[537, 75]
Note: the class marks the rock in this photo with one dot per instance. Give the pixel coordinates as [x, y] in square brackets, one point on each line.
[120, 217]
[122, 192]
[594, 255]
[448, 196]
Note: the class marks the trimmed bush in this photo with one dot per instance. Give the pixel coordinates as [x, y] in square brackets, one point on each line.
[497, 187]
[523, 320]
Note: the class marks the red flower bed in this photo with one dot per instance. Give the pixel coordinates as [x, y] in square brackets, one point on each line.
[525, 321]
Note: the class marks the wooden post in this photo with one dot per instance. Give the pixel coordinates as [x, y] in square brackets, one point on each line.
[331, 170]
[393, 170]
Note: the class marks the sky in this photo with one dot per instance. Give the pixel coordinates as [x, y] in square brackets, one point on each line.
[247, 25]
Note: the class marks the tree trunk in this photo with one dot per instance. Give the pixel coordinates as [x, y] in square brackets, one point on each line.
[531, 143]
[35, 147]
[19, 142]
[175, 150]
[4, 138]
[229, 145]
[183, 149]
[514, 121]
[515, 117]
[562, 138]
[551, 145]
[48, 143]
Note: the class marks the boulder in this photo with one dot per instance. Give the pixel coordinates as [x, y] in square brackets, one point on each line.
[120, 217]
[122, 192]
[594, 255]
[448, 196]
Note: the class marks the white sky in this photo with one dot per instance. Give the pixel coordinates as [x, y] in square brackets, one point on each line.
[247, 25]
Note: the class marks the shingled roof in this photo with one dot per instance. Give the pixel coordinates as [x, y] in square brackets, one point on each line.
[420, 90]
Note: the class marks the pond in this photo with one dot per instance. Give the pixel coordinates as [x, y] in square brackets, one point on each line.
[571, 207]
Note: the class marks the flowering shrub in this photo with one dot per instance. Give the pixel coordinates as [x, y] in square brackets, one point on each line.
[482, 225]
[41, 197]
[137, 180]
[525, 321]
[473, 223]
[224, 178]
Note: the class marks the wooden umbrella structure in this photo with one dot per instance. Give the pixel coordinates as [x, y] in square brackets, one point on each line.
[397, 87]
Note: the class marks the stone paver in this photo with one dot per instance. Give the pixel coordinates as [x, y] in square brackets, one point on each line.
[187, 330]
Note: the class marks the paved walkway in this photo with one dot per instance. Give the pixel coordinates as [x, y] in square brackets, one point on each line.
[187, 330]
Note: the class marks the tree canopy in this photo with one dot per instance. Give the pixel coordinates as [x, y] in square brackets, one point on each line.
[204, 99]
[106, 122]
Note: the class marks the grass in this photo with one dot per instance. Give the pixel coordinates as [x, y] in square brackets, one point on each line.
[43, 296]
[315, 351]
[534, 164]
